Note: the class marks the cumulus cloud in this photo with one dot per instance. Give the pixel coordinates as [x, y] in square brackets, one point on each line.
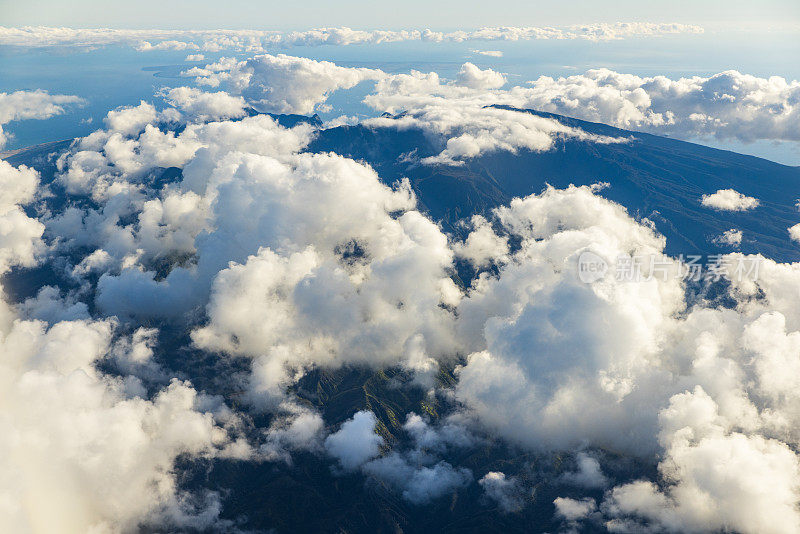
[170, 44]
[213, 40]
[25, 105]
[588, 473]
[593, 32]
[375, 259]
[448, 434]
[294, 261]
[794, 232]
[205, 106]
[20, 235]
[283, 84]
[417, 475]
[129, 120]
[457, 112]
[301, 429]
[744, 483]
[475, 78]
[355, 442]
[571, 373]
[86, 450]
[727, 105]
[506, 491]
[115, 160]
[573, 509]
[482, 245]
[729, 200]
[733, 360]
[419, 484]
[50, 306]
[340, 245]
[82, 450]
[735, 411]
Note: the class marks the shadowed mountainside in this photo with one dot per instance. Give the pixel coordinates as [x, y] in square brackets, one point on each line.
[655, 177]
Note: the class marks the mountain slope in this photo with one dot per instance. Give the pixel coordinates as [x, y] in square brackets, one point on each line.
[654, 177]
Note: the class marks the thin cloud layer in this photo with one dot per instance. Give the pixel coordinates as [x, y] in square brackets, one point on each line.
[259, 41]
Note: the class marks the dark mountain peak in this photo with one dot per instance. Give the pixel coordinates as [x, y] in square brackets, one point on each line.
[290, 120]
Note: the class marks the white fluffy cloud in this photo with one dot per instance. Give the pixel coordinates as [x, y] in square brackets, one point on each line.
[170, 44]
[24, 105]
[355, 442]
[626, 354]
[113, 161]
[298, 261]
[348, 279]
[437, 438]
[573, 509]
[300, 429]
[475, 78]
[558, 363]
[205, 106]
[283, 84]
[718, 479]
[794, 232]
[588, 473]
[83, 451]
[726, 105]
[593, 32]
[20, 235]
[317, 232]
[729, 200]
[457, 112]
[482, 245]
[418, 476]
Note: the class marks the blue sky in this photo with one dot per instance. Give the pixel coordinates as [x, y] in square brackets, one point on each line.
[411, 13]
